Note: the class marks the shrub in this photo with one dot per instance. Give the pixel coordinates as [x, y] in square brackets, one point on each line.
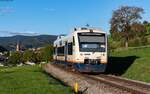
[47, 53]
[28, 56]
[14, 59]
[138, 42]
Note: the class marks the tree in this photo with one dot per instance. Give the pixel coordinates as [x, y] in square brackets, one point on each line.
[38, 57]
[15, 58]
[138, 30]
[147, 27]
[47, 53]
[28, 56]
[122, 20]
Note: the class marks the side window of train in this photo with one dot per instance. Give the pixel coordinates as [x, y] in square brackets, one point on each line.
[70, 48]
[54, 51]
[73, 41]
[60, 51]
[66, 48]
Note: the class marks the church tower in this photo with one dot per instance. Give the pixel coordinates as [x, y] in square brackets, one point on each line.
[17, 47]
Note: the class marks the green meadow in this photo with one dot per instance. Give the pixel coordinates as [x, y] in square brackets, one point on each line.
[129, 63]
[29, 80]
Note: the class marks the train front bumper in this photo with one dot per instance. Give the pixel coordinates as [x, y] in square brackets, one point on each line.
[90, 67]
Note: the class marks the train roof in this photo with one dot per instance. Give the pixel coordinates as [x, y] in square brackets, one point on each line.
[78, 29]
[87, 28]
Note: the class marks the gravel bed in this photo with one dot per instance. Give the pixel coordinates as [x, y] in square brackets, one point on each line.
[86, 85]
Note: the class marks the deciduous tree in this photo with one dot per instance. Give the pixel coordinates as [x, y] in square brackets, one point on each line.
[15, 58]
[122, 20]
[47, 53]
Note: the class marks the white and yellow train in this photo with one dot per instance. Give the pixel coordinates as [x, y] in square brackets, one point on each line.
[85, 49]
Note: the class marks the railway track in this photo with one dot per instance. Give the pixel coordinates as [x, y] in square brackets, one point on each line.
[135, 87]
[122, 85]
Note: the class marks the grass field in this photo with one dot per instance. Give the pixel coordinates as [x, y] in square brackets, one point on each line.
[29, 80]
[132, 63]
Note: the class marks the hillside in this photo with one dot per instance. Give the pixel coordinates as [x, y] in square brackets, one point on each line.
[26, 41]
[131, 63]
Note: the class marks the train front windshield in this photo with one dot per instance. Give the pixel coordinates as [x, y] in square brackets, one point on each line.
[92, 42]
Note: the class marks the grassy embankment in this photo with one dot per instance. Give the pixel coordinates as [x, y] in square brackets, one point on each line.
[29, 80]
[132, 63]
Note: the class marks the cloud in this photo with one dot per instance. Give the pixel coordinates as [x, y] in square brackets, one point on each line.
[50, 9]
[23, 33]
[6, 0]
[26, 33]
[6, 10]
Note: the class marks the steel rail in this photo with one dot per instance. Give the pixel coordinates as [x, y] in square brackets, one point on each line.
[134, 87]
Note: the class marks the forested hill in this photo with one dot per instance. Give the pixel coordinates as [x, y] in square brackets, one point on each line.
[26, 41]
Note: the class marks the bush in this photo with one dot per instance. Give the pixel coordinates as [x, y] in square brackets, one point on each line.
[47, 53]
[112, 44]
[14, 59]
[44, 54]
[134, 42]
[28, 56]
[38, 57]
[138, 42]
[144, 41]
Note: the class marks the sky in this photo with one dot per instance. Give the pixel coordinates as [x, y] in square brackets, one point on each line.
[55, 17]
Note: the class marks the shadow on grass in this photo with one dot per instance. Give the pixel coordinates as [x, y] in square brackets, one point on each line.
[119, 65]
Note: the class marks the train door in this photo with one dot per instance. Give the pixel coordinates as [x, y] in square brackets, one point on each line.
[66, 51]
[55, 52]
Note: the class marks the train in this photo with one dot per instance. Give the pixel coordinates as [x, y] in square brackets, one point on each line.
[84, 49]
